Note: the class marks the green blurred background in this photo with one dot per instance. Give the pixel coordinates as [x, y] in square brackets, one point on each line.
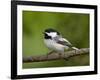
[72, 26]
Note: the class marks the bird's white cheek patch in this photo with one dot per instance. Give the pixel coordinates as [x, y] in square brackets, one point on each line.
[53, 34]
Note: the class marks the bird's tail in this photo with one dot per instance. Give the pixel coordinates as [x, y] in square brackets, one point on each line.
[75, 48]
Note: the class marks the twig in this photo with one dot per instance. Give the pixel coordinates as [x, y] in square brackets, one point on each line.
[55, 56]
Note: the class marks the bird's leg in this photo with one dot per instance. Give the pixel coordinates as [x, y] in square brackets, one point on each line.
[60, 55]
[49, 53]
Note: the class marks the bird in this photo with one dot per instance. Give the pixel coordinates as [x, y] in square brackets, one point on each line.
[54, 41]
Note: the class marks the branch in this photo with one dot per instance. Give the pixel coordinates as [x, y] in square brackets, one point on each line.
[56, 56]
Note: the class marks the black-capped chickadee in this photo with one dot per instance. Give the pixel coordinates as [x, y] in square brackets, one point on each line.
[54, 41]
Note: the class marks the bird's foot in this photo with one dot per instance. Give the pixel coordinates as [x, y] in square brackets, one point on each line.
[60, 55]
[49, 53]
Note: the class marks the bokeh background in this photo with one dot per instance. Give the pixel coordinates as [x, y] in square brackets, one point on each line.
[72, 26]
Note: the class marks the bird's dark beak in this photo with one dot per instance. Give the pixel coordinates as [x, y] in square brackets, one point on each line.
[43, 32]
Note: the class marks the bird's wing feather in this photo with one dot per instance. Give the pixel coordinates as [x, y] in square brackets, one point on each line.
[63, 41]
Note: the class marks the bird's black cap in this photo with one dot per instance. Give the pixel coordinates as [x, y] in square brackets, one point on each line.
[51, 30]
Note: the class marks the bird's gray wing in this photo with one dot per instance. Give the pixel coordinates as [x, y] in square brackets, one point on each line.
[63, 41]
